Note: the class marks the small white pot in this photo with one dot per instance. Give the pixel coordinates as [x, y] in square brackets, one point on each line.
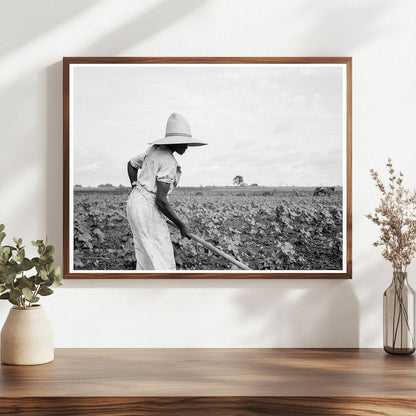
[27, 337]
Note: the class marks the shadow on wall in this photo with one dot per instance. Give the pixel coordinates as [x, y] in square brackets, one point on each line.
[37, 17]
[54, 146]
[347, 24]
[300, 313]
[375, 277]
[283, 313]
[152, 21]
[157, 18]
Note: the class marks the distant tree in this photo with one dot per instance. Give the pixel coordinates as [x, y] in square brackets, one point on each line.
[254, 184]
[238, 180]
[78, 186]
[105, 185]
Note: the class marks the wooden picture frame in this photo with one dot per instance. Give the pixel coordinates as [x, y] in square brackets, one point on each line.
[289, 118]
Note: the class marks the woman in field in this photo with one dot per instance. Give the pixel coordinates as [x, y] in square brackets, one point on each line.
[148, 205]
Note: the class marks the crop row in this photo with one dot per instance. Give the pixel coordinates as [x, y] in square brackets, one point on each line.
[266, 233]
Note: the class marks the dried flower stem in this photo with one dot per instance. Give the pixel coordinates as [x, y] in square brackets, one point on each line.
[396, 217]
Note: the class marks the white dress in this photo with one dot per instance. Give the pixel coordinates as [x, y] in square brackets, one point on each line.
[151, 236]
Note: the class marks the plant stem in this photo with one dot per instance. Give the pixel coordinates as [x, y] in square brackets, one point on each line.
[394, 314]
[401, 314]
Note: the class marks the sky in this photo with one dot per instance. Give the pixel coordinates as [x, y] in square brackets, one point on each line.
[272, 124]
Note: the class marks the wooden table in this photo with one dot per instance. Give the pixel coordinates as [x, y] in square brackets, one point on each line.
[212, 382]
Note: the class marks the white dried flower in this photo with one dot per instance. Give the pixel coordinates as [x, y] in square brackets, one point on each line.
[396, 217]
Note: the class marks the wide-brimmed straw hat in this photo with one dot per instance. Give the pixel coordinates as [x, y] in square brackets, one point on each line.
[178, 132]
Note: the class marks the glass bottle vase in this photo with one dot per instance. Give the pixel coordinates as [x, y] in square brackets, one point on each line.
[399, 316]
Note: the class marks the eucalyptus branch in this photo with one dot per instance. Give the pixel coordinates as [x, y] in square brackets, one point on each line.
[18, 286]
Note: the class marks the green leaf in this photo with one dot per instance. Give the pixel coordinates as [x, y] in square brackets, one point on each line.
[8, 277]
[45, 291]
[24, 282]
[17, 241]
[49, 282]
[58, 280]
[2, 227]
[21, 255]
[5, 295]
[38, 280]
[57, 273]
[49, 250]
[2, 288]
[4, 255]
[26, 264]
[48, 261]
[37, 243]
[43, 274]
[15, 294]
[2, 236]
[27, 293]
[5, 250]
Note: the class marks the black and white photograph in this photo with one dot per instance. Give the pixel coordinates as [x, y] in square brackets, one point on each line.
[207, 169]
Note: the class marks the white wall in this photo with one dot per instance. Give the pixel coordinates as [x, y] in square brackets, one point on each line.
[380, 35]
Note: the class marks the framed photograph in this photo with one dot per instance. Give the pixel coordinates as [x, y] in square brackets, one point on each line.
[207, 168]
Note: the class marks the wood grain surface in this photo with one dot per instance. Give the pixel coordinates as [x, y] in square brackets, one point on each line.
[207, 406]
[212, 381]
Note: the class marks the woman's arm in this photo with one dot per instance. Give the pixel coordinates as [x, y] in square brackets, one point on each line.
[132, 172]
[163, 204]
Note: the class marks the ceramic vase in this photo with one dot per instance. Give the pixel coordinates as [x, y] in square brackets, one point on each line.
[27, 337]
